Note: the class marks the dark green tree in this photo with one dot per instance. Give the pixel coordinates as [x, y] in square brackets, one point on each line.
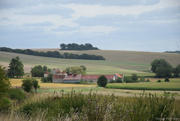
[162, 72]
[4, 82]
[38, 71]
[63, 46]
[134, 77]
[16, 68]
[35, 85]
[102, 81]
[159, 63]
[49, 77]
[176, 71]
[27, 85]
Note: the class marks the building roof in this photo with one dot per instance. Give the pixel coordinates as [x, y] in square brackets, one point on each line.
[120, 76]
[46, 72]
[58, 76]
[73, 77]
[93, 77]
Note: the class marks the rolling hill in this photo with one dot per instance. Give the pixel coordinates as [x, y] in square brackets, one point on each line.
[125, 62]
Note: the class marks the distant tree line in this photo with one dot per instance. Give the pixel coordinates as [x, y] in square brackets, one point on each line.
[75, 46]
[53, 54]
[173, 51]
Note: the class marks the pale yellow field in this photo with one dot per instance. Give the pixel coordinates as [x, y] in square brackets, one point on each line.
[18, 83]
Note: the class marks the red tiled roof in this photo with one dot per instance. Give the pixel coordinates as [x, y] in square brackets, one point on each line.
[58, 76]
[73, 77]
[96, 77]
[46, 72]
[120, 76]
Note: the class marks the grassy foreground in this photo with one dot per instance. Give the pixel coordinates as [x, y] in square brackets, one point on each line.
[94, 107]
[173, 85]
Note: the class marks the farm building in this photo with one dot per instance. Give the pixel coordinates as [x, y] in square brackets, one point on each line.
[58, 78]
[72, 78]
[94, 78]
[46, 74]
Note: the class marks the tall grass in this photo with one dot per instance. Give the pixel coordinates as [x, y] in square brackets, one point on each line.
[97, 107]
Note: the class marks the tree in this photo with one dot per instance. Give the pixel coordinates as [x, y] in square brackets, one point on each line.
[49, 77]
[35, 85]
[162, 72]
[27, 85]
[38, 71]
[159, 63]
[102, 81]
[4, 82]
[76, 70]
[16, 68]
[166, 79]
[134, 77]
[63, 46]
[176, 71]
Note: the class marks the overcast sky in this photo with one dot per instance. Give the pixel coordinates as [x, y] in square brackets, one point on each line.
[137, 25]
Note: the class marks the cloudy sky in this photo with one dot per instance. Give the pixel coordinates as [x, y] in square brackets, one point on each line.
[138, 25]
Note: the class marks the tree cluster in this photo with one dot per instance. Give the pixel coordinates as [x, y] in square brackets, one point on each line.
[29, 84]
[16, 68]
[76, 70]
[163, 69]
[54, 54]
[75, 46]
[38, 71]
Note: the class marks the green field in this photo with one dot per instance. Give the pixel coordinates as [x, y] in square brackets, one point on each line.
[173, 85]
[125, 62]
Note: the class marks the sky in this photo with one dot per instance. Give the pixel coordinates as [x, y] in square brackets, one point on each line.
[134, 25]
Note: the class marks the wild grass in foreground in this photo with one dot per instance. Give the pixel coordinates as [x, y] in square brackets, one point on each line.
[96, 107]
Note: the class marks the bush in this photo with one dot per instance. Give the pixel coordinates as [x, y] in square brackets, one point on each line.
[128, 80]
[97, 107]
[15, 93]
[166, 79]
[119, 80]
[112, 81]
[148, 80]
[102, 81]
[142, 79]
[27, 85]
[4, 103]
[44, 79]
[158, 80]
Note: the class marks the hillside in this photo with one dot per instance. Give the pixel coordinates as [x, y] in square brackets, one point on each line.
[125, 62]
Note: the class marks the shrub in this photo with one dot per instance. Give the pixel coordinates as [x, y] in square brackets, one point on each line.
[158, 80]
[97, 107]
[27, 85]
[102, 81]
[148, 80]
[15, 93]
[119, 80]
[112, 81]
[142, 79]
[128, 80]
[4, 103]
[166, 79]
